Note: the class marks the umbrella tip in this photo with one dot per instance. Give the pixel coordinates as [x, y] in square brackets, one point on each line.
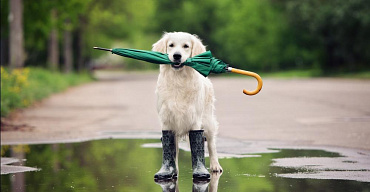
[100, 48]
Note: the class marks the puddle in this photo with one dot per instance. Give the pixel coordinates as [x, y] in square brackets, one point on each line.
[12, 165]
[130, 165]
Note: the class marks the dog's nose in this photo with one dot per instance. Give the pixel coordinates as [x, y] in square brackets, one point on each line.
[176, 56]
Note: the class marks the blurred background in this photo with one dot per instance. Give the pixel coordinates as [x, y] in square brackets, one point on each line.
[309, 38]
[325, 37]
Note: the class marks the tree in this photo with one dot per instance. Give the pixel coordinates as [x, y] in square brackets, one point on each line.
[341, 29]
[80, 42]
[38, 23]
[53, 49]
[251, 34]
[16, 34]
[4, 13]
[67, 47]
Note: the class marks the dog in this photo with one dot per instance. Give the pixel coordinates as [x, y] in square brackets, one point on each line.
[185, 98]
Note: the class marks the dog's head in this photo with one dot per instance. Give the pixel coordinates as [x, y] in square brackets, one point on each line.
[179, 46]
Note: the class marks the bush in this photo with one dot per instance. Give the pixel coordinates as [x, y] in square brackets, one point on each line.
[22, 87]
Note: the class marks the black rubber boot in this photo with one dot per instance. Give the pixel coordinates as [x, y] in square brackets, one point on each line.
[197, 155]
[200, 185]
[168, 169]
[169, 185]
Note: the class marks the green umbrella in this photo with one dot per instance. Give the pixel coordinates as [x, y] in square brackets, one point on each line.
[204, 63]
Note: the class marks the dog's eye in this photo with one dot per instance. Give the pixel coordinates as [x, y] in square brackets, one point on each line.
[186, 46]
[171, 45]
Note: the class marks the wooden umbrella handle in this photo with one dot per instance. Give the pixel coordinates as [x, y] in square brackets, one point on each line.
[252, 74]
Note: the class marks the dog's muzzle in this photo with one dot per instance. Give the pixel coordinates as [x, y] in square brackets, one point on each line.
[177, 66]
[177, 61]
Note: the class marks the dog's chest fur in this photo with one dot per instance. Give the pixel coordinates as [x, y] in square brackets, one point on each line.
[180, 101]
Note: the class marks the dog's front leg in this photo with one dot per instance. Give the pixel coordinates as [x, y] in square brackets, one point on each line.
[213, 157]
[215, 177]
[169, 167]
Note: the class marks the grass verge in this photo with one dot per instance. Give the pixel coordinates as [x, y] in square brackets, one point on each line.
[359, 75]
[22, 87]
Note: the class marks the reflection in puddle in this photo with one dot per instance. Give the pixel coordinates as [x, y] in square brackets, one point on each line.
[211, 185]
[12, 165]
[341, 167]
[124, 165]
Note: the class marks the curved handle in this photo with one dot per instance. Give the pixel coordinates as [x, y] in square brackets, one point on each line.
[252, 74]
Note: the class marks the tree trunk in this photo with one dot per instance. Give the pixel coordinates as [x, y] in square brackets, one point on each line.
[16, 34]
[4, 50]
[68, 54]
[80, 44]
[18, 180]
[53, 49]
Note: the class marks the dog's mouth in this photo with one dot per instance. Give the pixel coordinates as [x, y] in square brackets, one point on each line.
[177, 65]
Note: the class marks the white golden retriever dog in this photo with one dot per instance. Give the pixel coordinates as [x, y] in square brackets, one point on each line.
[185, 99]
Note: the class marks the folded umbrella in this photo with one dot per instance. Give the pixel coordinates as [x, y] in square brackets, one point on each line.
[204, 63]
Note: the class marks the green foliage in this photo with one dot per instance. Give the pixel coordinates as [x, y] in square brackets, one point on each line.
[36, 25]
[4, 12]
[275, 35]
[22, 87]
[340, 29]
[12, 85]
[119, 20]
[253, 35]
[257, 32]
[260, 35]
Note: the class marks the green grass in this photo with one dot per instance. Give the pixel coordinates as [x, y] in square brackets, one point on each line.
[22, 87]
[359, 75]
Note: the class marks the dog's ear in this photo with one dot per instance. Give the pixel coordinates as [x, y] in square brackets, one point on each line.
[161, 45]
[198, 46]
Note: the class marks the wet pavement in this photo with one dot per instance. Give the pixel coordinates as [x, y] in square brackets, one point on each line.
[319, 111]
[122, 164]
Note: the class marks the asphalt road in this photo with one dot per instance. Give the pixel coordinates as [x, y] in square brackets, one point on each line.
[310, 112]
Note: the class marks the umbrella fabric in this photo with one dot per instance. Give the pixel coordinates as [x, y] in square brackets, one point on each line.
[149, 56]
[204, 63]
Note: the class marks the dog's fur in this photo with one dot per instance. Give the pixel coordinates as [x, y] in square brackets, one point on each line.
[185, 99]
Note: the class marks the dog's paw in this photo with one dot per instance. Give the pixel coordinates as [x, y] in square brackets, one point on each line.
[215, 175]
[216, 167]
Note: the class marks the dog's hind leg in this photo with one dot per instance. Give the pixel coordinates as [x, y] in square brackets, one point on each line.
[213, 157]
